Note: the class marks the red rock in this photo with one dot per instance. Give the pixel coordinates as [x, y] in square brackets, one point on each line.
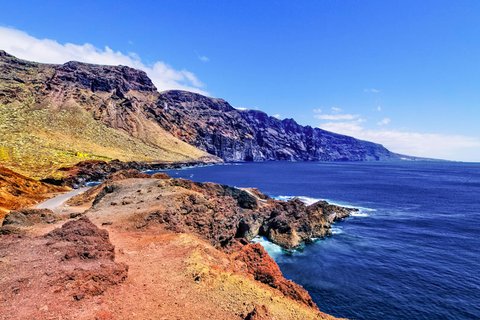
[264, 269]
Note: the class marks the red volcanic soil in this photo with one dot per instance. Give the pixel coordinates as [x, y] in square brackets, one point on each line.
[17, 191]
[138, 252]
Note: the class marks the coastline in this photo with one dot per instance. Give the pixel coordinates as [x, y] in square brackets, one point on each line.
[123, 203]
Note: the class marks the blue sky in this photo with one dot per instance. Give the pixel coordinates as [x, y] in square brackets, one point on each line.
[402, 73]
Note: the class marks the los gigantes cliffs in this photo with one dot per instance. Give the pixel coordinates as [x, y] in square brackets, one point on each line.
[58, 115]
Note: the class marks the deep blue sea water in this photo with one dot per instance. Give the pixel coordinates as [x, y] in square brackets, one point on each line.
[413, 254]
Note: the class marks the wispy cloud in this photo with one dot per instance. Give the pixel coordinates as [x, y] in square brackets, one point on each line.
[384, 121]
[430, 145]
[379, 108]
[336, 117]
[204, 58]
[371, 90]
[25, 46]
[277, 115]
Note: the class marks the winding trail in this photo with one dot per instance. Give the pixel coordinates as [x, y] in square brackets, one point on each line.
[59, 200]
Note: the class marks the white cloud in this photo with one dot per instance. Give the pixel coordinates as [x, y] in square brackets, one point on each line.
[276, 115]
[384, 121]
[371, 90]
[430, 145]
[24, 46]
[336, 117]
[203, 58]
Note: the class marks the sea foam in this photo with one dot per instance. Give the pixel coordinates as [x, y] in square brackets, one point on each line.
[363, 211]
[274, 250]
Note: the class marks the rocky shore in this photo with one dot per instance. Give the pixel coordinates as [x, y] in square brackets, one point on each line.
[98, 170]
[103, 255]
[218, 213]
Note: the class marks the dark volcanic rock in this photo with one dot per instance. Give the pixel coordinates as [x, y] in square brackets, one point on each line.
[219, 213]
[96, 170]
[235, 135]
[120, 79]
[291, 223]
[126, 99]
[29, 217]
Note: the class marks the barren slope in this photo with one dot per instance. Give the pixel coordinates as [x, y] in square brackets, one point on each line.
[58, 115]
[148, 266]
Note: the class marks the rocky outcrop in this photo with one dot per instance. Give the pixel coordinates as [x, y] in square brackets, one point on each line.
[119, 79]
[54, 274]
[219, 213]
[174, 238]
[88, 258]
[96, 170]
[264, 269]
[227, 217]
[292, 223]
[29, 217]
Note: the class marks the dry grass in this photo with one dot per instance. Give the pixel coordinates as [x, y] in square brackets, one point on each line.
[37, 141]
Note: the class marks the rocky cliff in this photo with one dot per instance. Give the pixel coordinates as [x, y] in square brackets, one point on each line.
[215, 126]
[57, 115]
[53, 115]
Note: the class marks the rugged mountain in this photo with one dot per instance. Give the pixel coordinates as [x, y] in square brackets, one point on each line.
[215, 126]
[58, 115]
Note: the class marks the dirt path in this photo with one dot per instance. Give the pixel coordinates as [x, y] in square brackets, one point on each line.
[56, 202]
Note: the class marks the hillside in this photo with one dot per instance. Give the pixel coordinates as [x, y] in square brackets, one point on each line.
[153, 247]
[57, 115]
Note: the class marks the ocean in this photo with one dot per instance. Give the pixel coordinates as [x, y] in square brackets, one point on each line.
[413, 251]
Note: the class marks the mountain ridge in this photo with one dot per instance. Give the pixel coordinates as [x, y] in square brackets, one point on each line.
[78, 111]
[252, 135]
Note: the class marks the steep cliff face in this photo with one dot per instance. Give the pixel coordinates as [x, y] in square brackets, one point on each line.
[54, 115]
[210, 124]
[249, 135]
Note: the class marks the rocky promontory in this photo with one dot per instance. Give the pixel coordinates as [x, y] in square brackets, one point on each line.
[157, 247]
[221, 214]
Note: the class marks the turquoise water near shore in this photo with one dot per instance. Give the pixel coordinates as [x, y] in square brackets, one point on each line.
[412, 253]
